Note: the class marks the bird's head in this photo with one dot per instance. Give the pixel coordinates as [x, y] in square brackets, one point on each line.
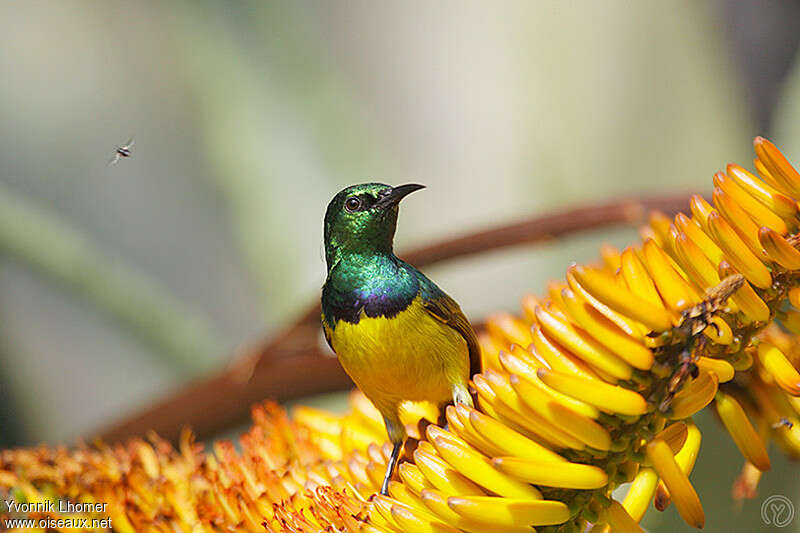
[362, 219]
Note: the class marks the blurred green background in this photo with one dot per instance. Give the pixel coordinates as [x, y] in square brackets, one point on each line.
[118, 284]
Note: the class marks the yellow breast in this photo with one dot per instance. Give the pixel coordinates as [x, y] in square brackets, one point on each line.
[411, 356]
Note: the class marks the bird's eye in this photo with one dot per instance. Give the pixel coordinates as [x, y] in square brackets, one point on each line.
[352, 204]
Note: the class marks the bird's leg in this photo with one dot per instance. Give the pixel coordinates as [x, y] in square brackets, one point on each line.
[390, 467]
[397, 436]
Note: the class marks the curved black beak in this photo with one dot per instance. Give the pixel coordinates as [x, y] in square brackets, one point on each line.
[392, 197]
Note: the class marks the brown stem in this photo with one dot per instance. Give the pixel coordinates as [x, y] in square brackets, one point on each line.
[294, 364]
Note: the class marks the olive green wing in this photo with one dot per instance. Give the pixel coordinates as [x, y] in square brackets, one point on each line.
[443, 308]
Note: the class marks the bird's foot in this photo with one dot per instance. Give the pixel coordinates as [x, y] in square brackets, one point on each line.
[390, 466]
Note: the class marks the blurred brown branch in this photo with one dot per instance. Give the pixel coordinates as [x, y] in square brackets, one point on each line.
[294, 363]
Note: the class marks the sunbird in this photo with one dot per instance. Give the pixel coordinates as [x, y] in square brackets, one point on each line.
[397, 335]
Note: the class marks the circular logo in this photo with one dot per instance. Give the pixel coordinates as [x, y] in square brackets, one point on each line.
[777, 510]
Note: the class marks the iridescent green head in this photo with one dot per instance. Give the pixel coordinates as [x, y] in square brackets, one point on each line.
[362, 219]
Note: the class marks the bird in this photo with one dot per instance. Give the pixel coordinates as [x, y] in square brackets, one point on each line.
[394, 331]
[121, 151]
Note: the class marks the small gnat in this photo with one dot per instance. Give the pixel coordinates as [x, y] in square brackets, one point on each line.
[121, 151]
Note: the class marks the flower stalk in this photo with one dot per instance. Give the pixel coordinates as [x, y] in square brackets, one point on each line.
[592, 386]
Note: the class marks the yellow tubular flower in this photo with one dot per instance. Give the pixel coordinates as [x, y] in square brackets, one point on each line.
[583, 345]
[681, 490]
[404, 494]
[701, 210]
[769, 197]
[513, 443]
[510, 512]
[786, 177]
[764, 174]
[592, 386]
[511, 400]
[687, 455]
[696, 234]
[737, 252]
[554, 293]
[437, 503]
[442, 476]
[527, 355]
[631, 349]
[779, 367]
[509, 327]
[719, 367]
[752, 306]
[619, 519]
[659, 223]
[694, 261]
[561, 416]
[637, 278]
[674, 260]
[417, 521]
[778, 249]
[413, 477]
[529, 303]
[685, 458]
[761, 214]
[569, 475]
[558, 358]
[604, 288]
[674, 435]
[490, 346]
[640, 493]
[629, 326]
[382, 507]
[478, 468]
[460, 424]
[611, 257]
[742, 432]
[695, 395]
[675, 292]
[741, 223]
[532, 426]
[515, 366]
[606, 397]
